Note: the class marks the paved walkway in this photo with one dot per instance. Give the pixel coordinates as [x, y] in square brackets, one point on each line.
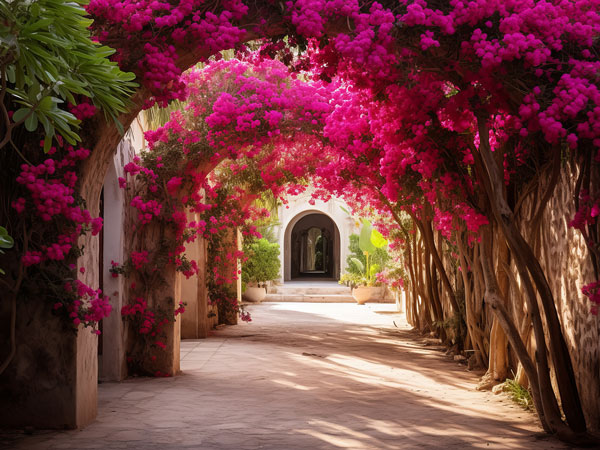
[305, 376]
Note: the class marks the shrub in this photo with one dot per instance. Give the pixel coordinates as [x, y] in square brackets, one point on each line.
[263, 263]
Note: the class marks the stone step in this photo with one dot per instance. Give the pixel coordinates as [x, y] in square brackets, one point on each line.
[314, 298]
[329, 290]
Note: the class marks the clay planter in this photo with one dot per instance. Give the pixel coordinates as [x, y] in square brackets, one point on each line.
[363, 294]
[255, 294]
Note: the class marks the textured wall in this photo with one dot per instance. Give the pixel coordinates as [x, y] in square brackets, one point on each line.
[565, 260]
[194, 321]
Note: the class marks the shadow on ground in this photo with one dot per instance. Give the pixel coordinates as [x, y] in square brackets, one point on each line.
[305, 376]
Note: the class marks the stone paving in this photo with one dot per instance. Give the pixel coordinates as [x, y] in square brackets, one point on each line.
[304, 376]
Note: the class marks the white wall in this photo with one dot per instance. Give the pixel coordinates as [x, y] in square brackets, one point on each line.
[299, 207]
[114, 367]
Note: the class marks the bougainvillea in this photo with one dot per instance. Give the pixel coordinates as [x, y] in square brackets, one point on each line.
[245, 128]
[50, 192]
[493, 42]
[427, 106]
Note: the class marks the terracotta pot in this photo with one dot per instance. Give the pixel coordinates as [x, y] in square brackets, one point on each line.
[255, 294]
[363, 294]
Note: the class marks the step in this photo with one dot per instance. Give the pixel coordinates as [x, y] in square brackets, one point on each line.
[314, 290]
[314, 298]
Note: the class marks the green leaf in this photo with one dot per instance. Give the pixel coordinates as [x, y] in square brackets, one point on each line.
[119, 125]
[47, 143]
[45, 122]
[45, 104]
[377, 239]
[10, 73]
[20, 114]
[50, 52]
[34, 91]
[42, 23]
[373, 270]
[5, 240]
[19, 77]
[35, 10]
[364, 241]
[358, 263]
[31, 123]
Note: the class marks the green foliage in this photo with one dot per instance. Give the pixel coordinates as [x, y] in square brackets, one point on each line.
[5, 242]
[158, 116]
[380, 257]
[263, 261]
[357, 264]
[48, 58]
[456, 328]
[267, 231]
[352, 279]
[358, 272]
[518, 393]
[370, 239]
[364, 239]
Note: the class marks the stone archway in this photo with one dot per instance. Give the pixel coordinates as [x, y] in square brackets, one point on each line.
[312, 247]
[312, 244]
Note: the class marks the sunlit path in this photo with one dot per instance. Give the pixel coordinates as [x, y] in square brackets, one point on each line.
[306, 376]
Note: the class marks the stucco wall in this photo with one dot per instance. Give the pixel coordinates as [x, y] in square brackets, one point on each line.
[38, 387]
[53, 379]
[194, 321]
[299, 207]
[117, 216]
[564, 257]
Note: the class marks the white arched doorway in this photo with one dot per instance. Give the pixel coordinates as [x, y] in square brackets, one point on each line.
[301, 206]
[312, 247]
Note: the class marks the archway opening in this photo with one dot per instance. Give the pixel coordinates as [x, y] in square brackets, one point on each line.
[314, 248]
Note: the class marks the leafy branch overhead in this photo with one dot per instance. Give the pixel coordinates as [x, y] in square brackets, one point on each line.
[48, 59]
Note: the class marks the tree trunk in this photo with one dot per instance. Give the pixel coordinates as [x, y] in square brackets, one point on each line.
[427, 234]
[527, 266]
[424, 312]
[498, 367]
[473, 329]
[434, 301]
[411, 310]
[494, 300]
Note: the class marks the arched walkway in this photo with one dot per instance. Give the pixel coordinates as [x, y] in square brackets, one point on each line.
[305, 376]
[103, 141]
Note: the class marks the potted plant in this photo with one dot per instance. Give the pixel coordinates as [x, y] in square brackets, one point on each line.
[261, 266]
[362, 270]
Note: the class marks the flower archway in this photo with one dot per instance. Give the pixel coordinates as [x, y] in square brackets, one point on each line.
[443, 119]
[245, 128]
